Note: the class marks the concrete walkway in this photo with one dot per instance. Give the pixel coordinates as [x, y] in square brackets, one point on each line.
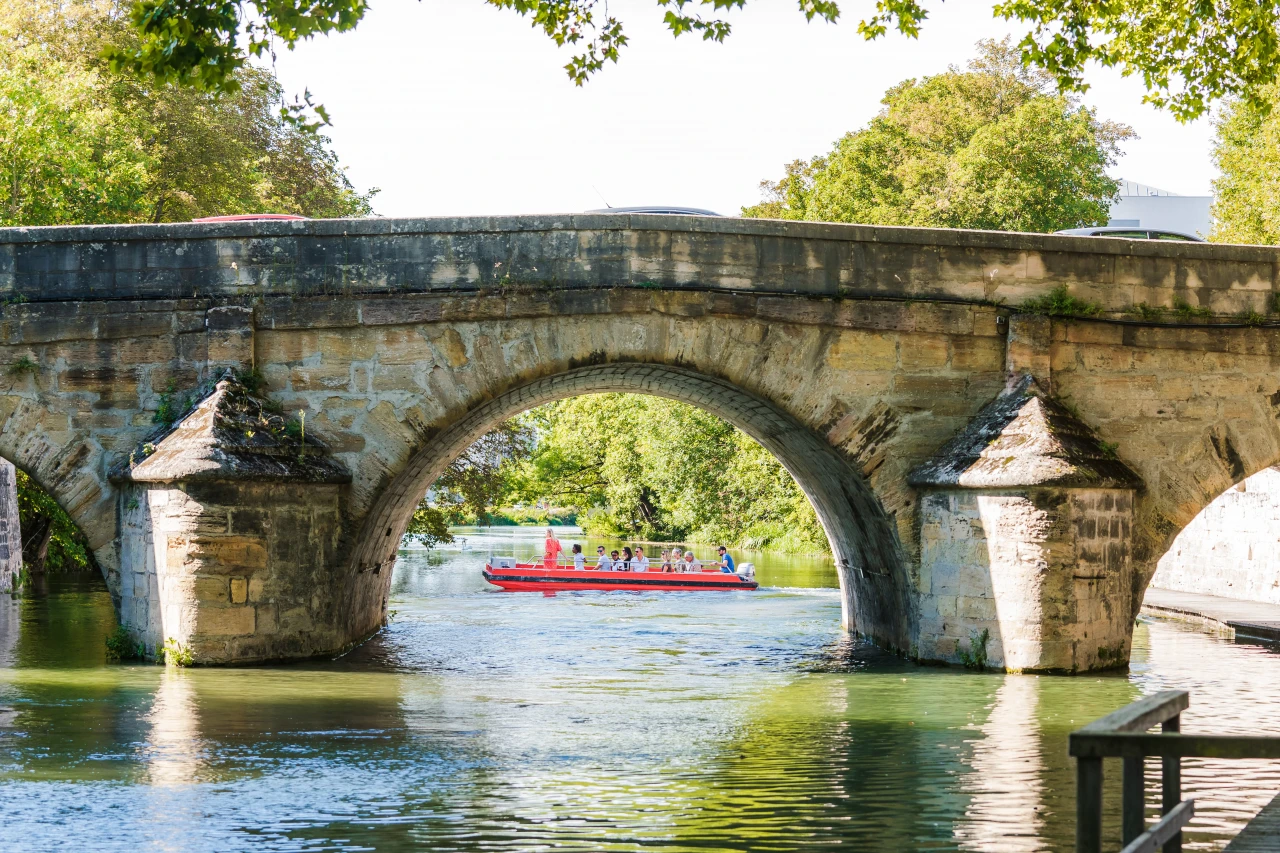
[1253, 619]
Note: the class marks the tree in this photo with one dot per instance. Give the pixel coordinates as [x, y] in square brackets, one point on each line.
[1246, 196]
[642, 467]
[50, 539]
[84, 145]
[991, 147]
[1189, 52]
[478, 479]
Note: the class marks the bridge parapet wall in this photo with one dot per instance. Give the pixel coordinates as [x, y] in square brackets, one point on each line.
[313, 257]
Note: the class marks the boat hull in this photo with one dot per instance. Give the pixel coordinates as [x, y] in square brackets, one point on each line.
[536, 578]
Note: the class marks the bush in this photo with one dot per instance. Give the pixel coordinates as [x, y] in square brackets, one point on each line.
[122, 646]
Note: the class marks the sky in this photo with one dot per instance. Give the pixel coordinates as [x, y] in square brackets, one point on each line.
[453, 107]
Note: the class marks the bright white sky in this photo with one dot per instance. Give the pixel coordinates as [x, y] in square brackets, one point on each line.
[453, 107]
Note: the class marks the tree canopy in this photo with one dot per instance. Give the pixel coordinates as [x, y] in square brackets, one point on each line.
[1188, 52]
[84, 145]
[1246, 195]
[988, 147]
[633, 466]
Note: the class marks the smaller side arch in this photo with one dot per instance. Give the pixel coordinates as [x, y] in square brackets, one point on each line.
[872, 569]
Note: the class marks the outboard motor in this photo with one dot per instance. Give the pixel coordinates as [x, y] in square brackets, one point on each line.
[747, 571]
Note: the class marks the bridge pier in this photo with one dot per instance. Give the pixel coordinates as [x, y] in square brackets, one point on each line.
[1025, 530]
[231, 539]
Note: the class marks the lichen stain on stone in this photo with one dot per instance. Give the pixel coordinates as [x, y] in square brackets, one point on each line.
[1025, 438]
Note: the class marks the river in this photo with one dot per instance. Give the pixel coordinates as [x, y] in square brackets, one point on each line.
[489, 721]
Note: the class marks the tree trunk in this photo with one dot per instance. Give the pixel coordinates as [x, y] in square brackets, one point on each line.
[10, 529]
[36, 549]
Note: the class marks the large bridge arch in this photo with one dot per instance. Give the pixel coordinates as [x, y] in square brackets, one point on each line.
[872, 569]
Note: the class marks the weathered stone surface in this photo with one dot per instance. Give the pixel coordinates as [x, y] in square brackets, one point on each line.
[874, 347]
[232, 435]
[10, 529]
[1025, 438]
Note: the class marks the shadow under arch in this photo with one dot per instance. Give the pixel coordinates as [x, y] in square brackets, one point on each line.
[873, 575]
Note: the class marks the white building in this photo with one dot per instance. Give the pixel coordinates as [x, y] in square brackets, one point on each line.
[1141, 206]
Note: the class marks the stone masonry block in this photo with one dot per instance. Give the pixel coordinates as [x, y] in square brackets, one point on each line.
[225, 621]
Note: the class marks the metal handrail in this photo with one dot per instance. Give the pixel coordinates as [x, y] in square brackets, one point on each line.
[1124, 734]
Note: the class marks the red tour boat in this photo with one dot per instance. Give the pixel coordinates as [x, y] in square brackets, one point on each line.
[536, 577]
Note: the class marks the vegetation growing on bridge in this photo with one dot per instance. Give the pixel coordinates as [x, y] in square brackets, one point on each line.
[989, 147]
[1060, 303]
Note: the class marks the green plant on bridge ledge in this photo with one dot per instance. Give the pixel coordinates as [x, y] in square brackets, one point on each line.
[171, 408]
[976, 656]
[1186, 311]
[23, 366]
[252, 380]
[177, 654]
[1060, 303]
[1148, 312]
[1252, 318]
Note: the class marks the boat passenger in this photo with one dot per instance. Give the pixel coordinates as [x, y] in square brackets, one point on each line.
[726, 562]
[617, 562]
[554, 549]
[641, 562]
[628, 559]
[666, 561]
[579, 559]
[603, 563]
[692, 563]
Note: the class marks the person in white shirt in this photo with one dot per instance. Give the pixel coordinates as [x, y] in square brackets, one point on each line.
[691, 563]
[579, 559]
[640, 563]
[603, 563]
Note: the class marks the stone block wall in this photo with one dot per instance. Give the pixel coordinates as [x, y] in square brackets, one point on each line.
[1044, 571]
[237, 572]
[10, 529]
[1232, 548]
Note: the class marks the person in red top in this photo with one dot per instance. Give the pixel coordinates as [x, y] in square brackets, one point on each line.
[552, 554]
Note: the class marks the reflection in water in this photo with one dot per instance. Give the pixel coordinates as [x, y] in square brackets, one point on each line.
[1006, 782]
[172, 751]
[482, 720]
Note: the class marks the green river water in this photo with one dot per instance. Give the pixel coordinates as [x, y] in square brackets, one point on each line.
[481, 720]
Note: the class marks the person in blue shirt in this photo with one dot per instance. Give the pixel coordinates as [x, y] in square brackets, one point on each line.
[726, 562]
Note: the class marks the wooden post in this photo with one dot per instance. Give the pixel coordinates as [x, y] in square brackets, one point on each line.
[1088, 805]
[1171, 784]
[1132, 807]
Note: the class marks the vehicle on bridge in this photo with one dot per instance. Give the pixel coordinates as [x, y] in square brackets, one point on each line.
[662, 209]
[512, 576]
[1130, 233]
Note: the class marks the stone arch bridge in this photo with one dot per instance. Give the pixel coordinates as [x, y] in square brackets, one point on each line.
[991, 481]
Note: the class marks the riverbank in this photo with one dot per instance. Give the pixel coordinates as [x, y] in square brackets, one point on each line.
[1227, 617]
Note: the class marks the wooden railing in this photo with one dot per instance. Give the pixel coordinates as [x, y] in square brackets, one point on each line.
[1124, 734]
